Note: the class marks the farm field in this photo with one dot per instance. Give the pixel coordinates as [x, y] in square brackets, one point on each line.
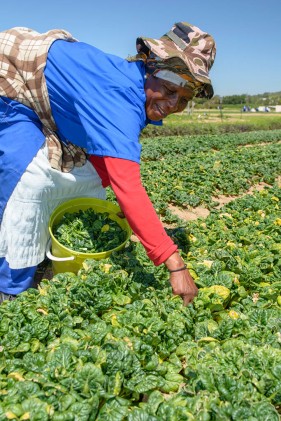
[214, 121]
[113, 343]
[192, 171]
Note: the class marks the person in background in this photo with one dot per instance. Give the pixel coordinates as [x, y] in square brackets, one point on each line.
[70, 121]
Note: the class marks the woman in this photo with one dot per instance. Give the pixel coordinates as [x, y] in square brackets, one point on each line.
[71, 117]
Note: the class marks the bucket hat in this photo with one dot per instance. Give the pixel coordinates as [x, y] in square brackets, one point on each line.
[186, 50]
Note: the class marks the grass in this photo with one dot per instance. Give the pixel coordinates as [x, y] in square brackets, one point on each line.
[214, 121]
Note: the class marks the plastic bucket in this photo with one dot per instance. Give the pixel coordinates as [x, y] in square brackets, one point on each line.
[67, 260]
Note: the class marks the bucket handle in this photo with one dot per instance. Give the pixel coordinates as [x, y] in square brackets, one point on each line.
[56, 259]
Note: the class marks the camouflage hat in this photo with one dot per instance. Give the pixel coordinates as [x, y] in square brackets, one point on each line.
[188, 49]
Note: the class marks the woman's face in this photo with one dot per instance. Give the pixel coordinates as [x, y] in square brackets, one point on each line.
[164, 98]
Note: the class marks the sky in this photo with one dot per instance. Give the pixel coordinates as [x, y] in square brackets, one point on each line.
[247, 33]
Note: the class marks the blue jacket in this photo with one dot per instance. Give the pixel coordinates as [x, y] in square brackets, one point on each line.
[97, 102]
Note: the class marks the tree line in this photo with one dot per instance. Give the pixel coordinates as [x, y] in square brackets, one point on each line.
[267, 98]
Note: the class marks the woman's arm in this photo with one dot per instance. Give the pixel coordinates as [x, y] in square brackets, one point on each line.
[124, 178]
[125, 181]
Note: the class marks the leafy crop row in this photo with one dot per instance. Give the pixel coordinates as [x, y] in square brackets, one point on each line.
[192, 171]
[161, 147]
[190, 179]
[113, 343]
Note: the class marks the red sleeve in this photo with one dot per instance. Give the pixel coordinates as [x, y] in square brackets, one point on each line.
[125, 180]
[99, 164]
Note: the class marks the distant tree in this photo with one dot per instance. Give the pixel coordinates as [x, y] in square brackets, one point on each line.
[235, 99]
[267, 98]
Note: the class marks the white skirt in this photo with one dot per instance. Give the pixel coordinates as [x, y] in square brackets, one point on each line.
[24, 229]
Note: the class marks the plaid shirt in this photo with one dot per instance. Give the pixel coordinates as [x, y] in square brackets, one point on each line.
[23, 55]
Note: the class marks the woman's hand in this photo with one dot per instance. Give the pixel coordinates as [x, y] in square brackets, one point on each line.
[181, 281]
[183, 285]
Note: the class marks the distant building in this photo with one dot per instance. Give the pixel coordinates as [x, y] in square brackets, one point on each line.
[263, 109]
[276, 108]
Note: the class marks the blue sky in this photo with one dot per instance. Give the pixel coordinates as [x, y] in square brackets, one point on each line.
[247, 33]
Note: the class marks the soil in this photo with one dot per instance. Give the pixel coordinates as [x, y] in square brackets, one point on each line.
[191, 214]
[201, 212]
[44, 271]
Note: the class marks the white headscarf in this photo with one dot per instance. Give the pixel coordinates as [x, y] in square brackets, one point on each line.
[170, 77]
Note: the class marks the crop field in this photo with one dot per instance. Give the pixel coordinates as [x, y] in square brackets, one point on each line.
[112, 342]
[195, 171]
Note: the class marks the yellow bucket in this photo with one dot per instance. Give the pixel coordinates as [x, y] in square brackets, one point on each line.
[67, 260]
